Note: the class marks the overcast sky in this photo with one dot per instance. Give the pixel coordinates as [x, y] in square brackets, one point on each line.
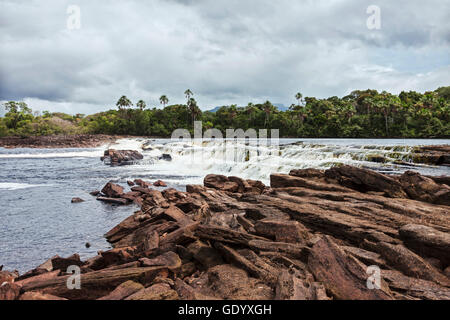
[225, 51]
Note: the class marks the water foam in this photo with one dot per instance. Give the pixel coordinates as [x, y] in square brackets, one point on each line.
[17, 186]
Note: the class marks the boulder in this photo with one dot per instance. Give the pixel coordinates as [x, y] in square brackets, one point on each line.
[307, 173]
[62, 264]
[290, 286]
[32, 296]
[9, 291]
[231, 283]
[95, 284]
[282, 231]
[112, 190]
[121, 157]
[77, 200]
[131, 196]
[94, 193]
[342, 275]
[7, 276]
[160, 183]
[425, 189]
[364, 180]
[142, 183]
[409, 263]
[207, 256]
[165, 157]
[427, 241]
[159, 291]
[220, 182]
[123, 291]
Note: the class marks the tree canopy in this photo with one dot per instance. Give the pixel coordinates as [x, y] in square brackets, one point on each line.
[361, 114]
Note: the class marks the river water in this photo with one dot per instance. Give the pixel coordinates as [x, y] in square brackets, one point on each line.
[37, 219]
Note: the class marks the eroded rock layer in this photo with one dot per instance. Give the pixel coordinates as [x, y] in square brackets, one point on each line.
[344, 233]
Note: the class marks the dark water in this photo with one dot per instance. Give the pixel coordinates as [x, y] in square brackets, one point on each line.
[38, 220]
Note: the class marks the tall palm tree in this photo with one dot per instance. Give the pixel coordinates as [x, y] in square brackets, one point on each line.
[123, 102]
[188, 93]
[268, 109]
[193, 109]
[164, 100]
[299, 97]
[251, 110]
[141, 104]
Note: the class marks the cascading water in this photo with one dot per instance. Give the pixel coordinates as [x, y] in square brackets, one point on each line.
[251, 160]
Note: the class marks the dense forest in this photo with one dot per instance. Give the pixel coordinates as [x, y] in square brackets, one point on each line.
[361, 114]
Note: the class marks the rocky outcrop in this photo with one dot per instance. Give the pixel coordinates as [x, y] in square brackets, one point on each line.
[121, 157]
[427, 241]
[424, 189]
[364, 180]
[115, 194]
[435, 154]
[312, 235]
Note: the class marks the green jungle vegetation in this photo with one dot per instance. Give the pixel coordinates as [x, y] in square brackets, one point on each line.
[361, 114]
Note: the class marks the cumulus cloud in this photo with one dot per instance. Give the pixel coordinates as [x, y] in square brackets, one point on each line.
[226, 52]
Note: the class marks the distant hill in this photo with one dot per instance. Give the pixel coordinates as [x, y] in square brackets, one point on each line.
[213, 110]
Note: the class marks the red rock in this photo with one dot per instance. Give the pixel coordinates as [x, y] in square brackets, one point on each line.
[142, 183]
[31, 295]
[112, 190]
[220, 182]
[365, 180]
[94, 193]
[118, 256]
[282, 231]
[342, 275]
[425, 189]
[131, 196]
[62, 264]
[130, 183]
[77, 200]
[7, 276]
[9, 291]
[159, 291]
[427, 241]
[160, 183]
[123, 291]
[121, 157]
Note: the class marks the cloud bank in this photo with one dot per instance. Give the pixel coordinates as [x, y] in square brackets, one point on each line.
[226, 52]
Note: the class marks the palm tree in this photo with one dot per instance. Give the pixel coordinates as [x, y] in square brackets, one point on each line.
[193, 109]
[164, 100]
[188, 93]
[268, 109]
[123, 102]
[141, 105]
[251, 109]
[299, 97]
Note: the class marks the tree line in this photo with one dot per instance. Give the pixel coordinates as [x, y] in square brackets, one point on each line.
[361, 114]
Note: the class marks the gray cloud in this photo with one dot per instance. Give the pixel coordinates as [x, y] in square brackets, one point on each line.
[225, 51]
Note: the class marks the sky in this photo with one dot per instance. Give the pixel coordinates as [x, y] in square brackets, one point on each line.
[80, 56]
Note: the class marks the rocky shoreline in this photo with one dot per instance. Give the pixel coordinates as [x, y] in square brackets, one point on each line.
[310, 235]
[59, 141]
